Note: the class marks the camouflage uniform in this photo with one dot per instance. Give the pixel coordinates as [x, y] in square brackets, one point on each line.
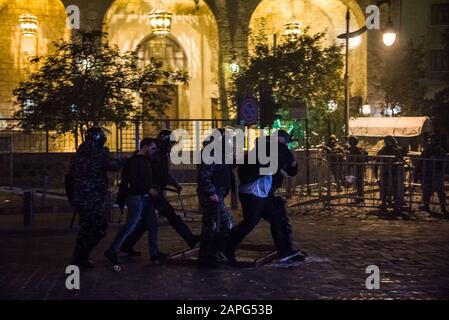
[88, 169]
[217, 220]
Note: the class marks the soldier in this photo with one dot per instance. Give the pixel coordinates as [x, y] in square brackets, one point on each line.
[214, 184]
[88, 169]
[391, 181]
[287, 167]
[335, 158]
[431, 170]
[161, 178]
[357, 156]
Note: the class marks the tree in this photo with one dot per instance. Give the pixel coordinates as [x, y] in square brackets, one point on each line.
[302, 69]
[87, 82]
[401, 80]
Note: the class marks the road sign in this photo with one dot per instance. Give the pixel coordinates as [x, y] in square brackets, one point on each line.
[248, 111]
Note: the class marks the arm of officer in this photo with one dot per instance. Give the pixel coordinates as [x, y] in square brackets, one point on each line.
[110, 163]
[205, 184]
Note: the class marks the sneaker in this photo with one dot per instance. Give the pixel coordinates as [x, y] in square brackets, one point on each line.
[131, 252]
[112, 257]
[84, 263]
[291, 256]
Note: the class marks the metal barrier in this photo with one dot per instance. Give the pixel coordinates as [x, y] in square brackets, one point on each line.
[120, 139]
[369, 181]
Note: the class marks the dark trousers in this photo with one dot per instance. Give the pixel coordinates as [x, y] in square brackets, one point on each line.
[165, 209]
[93, 226]
[429, 186]
[216, 226]
[286, 227]
[254, 209]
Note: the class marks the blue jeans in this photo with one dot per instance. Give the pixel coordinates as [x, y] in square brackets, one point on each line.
[139, 206]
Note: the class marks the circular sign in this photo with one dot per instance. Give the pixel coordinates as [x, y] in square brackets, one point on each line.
[249, 110]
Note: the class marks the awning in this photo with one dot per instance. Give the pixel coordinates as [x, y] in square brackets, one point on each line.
[393, 126]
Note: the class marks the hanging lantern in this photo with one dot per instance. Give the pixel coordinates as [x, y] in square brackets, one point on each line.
[28, 24]
[160, 21]
[293, 29]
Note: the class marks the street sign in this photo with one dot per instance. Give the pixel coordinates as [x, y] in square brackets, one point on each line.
[248, 111]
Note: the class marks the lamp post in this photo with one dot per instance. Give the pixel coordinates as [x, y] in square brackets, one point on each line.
[389, 37]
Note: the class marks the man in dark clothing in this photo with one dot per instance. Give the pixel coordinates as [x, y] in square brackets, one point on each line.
[161, 179]
[287, 167]
[431, 170]
[256, 198]
[214, 182]
[391, 181]
[88, 171]
[335, 158]
[137, 179]
[357, 157]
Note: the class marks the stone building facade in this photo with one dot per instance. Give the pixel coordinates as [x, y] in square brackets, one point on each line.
[207, 36]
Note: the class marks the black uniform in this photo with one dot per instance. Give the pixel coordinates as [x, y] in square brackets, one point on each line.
[431, 171]
[161, 178]
[335, 157]
[214, 179]
[88, 169]
[285, 160]
[391, 180]
[357, 156]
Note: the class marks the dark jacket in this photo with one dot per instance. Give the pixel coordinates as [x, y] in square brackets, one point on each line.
[88, 171]
[161, 172]
[285, 159]
[214, 178]
[137, 175]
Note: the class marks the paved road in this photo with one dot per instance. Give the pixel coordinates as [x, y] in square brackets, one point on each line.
[413, 258]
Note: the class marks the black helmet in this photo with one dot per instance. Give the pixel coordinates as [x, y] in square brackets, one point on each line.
[164, 135]
[96, 134]
[164, 142]
[353, 141]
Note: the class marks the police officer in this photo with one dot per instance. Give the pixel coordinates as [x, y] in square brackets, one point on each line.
[335, 157]
[287, 167]
[391, 179]
[88, 169]
[214, 183]
[357, 158]
[161, 179]
[431, 169]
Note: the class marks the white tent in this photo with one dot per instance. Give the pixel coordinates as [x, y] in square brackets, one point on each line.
[384, 126]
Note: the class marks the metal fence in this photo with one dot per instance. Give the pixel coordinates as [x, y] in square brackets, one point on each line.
[120, 139]
[370, 181]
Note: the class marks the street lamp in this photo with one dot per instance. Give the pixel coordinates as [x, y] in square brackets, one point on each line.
[293, 28]
[234, 66]
[366, 110]
[29, 24]
[389, 37]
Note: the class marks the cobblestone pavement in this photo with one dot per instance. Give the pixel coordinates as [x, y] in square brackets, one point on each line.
[413, 257]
